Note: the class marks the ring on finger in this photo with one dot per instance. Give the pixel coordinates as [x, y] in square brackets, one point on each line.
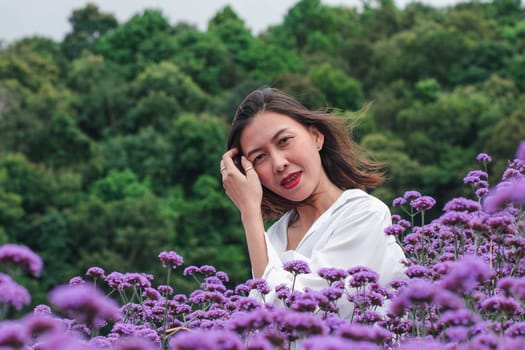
[223, 168]
[248, 168]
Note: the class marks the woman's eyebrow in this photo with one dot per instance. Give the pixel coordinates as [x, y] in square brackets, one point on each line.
[274, 137]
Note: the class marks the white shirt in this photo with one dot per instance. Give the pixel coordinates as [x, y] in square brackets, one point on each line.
[349, 233]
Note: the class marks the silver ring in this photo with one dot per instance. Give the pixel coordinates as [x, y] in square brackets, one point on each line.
[222, 169]
[248, 168]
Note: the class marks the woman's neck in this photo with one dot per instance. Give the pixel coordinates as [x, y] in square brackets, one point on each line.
[316, 206]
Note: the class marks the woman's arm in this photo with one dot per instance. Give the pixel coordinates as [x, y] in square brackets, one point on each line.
[246, 193]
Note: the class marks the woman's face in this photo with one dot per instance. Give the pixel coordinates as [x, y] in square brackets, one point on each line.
[285, 155]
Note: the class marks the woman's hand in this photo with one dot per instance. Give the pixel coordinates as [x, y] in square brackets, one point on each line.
[244, 190]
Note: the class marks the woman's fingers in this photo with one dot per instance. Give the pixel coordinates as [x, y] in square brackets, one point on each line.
[248, 167]
[227, 163]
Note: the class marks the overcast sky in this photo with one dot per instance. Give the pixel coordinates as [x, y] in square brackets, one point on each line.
[23, 18]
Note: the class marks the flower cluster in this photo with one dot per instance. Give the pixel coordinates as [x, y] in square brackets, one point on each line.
[464, 289]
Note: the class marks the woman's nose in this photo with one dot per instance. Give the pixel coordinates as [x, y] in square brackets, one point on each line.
[280, 162]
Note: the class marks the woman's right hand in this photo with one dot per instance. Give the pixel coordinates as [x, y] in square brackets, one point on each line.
[244, 190]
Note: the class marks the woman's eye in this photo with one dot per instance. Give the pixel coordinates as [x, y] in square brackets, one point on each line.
[258, 158]
[284, 140]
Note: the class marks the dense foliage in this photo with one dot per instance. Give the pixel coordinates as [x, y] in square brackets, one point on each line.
[110, 139]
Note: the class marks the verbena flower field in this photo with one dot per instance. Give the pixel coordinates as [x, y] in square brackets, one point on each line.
[465, 289]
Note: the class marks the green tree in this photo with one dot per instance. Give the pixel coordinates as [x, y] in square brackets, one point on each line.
[146, 153]
[166, 77]
[88, 25]
[205, 58]
[60, 143]
[143, 40]
[118, 185]
[237, 40]
[339, 89]
[100, 93]
[503, 138]
[198, 143]
[10, 206]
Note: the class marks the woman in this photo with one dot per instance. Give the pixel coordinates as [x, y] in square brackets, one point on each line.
[303, 169]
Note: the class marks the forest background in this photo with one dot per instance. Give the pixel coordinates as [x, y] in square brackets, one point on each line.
[110, 140]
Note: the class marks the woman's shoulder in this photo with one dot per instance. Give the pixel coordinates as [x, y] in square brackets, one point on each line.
[280, 225]
[357, 199]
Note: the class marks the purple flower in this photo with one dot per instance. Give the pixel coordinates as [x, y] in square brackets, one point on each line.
[299, 324]
[12, 293]
[223, 276]
[417, 292]
[100, 342]
[517, 329]
[138, 279]
[457, 334]
[482, 192]
[259, 342]
[510, 174]
[296, 267]
[423, 203]
[479, 174]
[477, 178]
[242, 289]
[520, 152]
[303, 302]
[13, 335]
[459, 317]
[42, 309]
[134, 343]
[212, 283]
[258, 284]
[398, 201]
[409, 195]
[465, 275]
[512, 286]
[39, 324]
[282, 291]
[333, 292]
[75, 281]
[332, 274]
[116, 280]
[454, 218]
[96, 272]
[394, 230]
[501, 305]
[22, 257]
[507, 192]
[165, 289]
[85, 303]
[462, 204]
[361, 276]
[417, 271]
[171, 259]
[190, 270]
[483, 158]
[207, 269]
[332, 342]
[210, 340]
[358, 332]
[64, 340]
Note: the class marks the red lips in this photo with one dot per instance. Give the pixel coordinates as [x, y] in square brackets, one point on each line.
[291, 180]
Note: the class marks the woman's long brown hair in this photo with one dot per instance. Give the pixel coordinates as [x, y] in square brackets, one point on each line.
[344, 163]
